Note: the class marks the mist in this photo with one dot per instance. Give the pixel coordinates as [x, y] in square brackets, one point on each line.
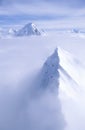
[24, 101]
[33, 104]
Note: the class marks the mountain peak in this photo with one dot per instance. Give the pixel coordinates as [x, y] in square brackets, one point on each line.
[49, 74]
[52, 63]
[28, 29]
[30, 24]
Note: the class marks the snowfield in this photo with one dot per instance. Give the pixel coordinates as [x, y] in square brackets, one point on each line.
[42, 85]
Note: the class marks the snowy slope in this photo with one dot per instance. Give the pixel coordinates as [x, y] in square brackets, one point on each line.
[71, 69]
[28, 29]
[49, 73]
[65, 72]
[72, 89]
[12, 32]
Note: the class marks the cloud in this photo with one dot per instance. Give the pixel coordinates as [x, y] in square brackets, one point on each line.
[70, 3]
[35, 106]
[65, 8]
[41, 8]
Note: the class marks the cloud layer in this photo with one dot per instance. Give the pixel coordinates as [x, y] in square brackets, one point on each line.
[35, 8]
[70, 3]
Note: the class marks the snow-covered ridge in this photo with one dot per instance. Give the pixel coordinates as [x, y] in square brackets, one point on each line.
[28, 29]
[72, 73]
[64, 71]
[48, 77]
[49, 74]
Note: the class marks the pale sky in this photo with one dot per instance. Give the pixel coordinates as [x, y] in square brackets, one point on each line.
[41, 9]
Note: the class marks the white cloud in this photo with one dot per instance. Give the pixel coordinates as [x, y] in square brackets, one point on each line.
[36, 7]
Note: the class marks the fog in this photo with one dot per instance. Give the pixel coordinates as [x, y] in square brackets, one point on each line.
[31, 103]
[57, 104]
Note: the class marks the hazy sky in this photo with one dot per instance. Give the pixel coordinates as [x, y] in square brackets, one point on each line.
[43, 8]
[20, 4]
[72, 3]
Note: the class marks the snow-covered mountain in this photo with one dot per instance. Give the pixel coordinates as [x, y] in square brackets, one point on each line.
[12, 32]
[60, 69]
[66, 68]
[63, 74]
[75, 30]
[47, 84]
[27, 30]
[49, 72]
